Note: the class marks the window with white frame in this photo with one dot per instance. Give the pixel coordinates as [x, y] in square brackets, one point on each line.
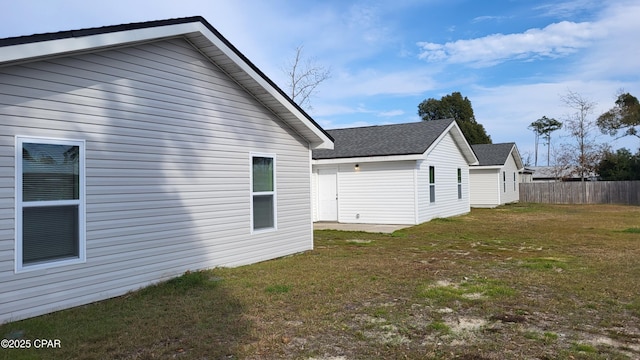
[504, 181]
[432, 184]
[263, 192]
[49, 202]
[515, 182]
[459, 183]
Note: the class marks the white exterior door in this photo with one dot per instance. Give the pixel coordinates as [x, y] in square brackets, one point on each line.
[328, 194]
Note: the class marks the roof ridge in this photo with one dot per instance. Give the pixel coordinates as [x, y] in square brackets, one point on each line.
[389, 125]
[503, 143]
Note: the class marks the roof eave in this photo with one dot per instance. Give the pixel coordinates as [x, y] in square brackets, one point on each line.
[461, 143]
[365, 159]
[486, 167]
[194, 29]
[517, 157]
[303, 124]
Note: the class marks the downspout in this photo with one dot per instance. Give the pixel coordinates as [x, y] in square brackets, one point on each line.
[416, 195]
[311, 200]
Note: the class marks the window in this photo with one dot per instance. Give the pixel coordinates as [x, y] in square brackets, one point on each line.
[432, 184]
[49, 202]
[459, 183]
[504, 181]
[263, 199]
[514, 182]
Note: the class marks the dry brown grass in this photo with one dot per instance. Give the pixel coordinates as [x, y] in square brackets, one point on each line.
[517, 282]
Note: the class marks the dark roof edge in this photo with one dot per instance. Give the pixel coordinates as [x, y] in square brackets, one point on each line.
[18, 40]
[502, 143]
[384, 125]
[263, 75]
[67, 34]
[513, 146]
[368, 156]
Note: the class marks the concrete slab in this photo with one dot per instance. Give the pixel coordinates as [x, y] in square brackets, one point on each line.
[374, 228]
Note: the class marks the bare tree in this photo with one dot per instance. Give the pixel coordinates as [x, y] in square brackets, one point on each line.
[303, 76]
[585, 152]
[563, 162]
[526, 158]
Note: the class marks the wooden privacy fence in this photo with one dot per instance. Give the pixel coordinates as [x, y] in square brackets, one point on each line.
[588, 192]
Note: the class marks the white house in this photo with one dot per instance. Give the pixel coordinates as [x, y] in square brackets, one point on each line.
[130, 154]
[495, 180]
[393, 174]
[559, 173]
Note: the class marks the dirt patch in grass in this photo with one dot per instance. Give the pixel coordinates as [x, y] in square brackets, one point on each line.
[562, 284]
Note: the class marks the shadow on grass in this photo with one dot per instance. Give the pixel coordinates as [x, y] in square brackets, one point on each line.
[193, 316]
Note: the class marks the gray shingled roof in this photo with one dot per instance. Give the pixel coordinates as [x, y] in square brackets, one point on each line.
[384, 140]
[492, 154]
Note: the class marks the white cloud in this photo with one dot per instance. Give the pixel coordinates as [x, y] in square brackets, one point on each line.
[365, 20]
[373, 82]
[615, 56]
[487, 18]
[391, 113]
[555, 40]
[568, 8]
[323, 110]
[507, 110]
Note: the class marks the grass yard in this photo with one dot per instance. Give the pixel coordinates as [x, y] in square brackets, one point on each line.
[522, 281]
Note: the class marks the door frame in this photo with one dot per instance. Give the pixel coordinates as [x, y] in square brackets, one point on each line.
[322, 189]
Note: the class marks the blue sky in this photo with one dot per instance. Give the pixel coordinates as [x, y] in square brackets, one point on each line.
[513, 59]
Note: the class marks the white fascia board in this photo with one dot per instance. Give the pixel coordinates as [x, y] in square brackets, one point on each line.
[438, 139]
[486, 167]
[323, 141]
[58, 47]
[517, 157]
[461, 143]
[412, 157]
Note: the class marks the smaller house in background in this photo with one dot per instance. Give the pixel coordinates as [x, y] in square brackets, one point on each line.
[393, 174]
[495, 180]
[526, 175]
[559, 173]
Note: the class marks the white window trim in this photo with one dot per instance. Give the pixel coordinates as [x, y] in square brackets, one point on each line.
[274, 193]
[81, 202]
[432, 199]
[504, 181]
[459, 188]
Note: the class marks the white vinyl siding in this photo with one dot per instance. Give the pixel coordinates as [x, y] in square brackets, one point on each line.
[494, 186]
[512, 192]
[397, 191]
[486, 187]
[445, 156]
[167, 182]
[377, 192]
